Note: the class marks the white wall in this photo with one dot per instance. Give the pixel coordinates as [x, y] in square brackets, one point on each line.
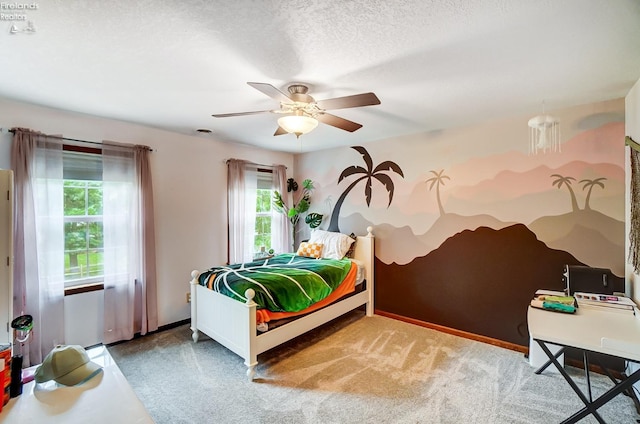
[632, 129]
[87, 331]
[6, 256]
[189, 179]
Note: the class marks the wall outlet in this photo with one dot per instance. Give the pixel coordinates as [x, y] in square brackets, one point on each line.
[188, 297]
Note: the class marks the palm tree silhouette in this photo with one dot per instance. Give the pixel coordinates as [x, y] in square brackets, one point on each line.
[437, 180]
[590, 184]
[368, 174]
[560, 181]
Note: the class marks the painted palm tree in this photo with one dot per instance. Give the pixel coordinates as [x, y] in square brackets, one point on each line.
[438, 180]
[590, 184]
[560, 181]
[368, 174]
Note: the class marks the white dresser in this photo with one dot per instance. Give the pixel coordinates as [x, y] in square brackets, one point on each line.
[106, 398]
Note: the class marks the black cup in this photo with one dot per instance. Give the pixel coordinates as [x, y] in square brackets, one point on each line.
[16, 376]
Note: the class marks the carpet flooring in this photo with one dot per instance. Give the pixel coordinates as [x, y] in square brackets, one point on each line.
[355, 369]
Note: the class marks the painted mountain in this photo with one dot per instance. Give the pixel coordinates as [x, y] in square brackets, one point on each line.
[592, 237]
[478, 281]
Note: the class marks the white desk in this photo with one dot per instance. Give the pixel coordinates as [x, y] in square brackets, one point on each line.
[106, 398]
[590, 330]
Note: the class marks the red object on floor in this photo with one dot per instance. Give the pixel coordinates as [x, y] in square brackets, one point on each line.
[5, 353]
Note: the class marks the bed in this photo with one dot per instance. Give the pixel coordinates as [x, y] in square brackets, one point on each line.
[233, 323]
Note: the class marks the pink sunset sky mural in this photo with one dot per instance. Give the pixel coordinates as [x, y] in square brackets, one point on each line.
[546, 192]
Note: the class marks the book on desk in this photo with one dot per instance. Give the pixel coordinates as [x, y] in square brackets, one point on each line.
[611, 303]
[554, 301]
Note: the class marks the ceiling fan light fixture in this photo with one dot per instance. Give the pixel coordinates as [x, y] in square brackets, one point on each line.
[297, 124]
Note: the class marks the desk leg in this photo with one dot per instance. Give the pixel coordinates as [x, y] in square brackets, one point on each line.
[575, 388]
[606, 397]
[549, 362]
[586, 373]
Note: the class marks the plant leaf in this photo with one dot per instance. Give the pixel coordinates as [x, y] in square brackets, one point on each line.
[308, 184]
[313, 219]
[302, 206]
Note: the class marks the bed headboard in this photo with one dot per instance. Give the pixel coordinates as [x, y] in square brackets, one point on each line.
[365, 253]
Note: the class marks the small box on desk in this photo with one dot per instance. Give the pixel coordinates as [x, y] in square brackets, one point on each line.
[579, 278]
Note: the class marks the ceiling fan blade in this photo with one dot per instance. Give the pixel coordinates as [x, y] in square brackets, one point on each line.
[364, 99]
[270, 91]
[336, 121]
[226, 115]
[280, 131]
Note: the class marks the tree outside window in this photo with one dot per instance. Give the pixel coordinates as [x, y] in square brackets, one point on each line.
[83, 231]
[262, 239]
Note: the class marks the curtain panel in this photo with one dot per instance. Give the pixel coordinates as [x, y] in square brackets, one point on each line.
[241, 203]
[236, 199]
[130, 286]
[38, 285]
[149, 310]
[130, 294]
[281, 233]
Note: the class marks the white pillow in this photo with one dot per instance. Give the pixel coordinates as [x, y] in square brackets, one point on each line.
[336, 245]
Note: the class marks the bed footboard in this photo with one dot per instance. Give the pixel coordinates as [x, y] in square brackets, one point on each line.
[227, 321]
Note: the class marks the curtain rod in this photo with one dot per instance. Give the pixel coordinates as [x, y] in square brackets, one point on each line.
[226, 161]
[631, 143]
[80, 141]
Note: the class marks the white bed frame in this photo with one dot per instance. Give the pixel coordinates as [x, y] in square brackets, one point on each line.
[233, 324]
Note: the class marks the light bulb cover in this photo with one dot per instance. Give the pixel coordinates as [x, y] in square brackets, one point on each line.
[297, 124]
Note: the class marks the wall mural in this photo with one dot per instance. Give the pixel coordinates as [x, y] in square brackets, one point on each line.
[368, 174]
[472, 234]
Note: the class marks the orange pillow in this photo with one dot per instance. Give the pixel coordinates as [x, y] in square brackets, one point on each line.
[310, 250]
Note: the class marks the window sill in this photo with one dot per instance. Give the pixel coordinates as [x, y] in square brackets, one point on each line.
[84, 288]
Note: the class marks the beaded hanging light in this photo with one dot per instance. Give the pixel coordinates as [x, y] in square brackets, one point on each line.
[544, 133]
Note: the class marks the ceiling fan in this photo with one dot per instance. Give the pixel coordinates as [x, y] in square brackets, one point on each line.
[301, 112]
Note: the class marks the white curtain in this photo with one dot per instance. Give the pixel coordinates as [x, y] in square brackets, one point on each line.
[242, 183]
[130, 290]
[39, 241]
[236, 209]
[249, 222]
[121, 242]
[280, 225]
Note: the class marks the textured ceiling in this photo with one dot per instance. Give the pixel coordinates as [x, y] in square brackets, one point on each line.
[433, 64]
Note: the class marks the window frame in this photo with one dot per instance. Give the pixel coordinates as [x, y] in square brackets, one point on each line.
[93, 282]
[266, 177]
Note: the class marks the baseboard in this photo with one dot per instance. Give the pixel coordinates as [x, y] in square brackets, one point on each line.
[160, 329]
[453, 331]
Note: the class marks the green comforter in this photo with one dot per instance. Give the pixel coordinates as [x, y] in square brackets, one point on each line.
[284, 283]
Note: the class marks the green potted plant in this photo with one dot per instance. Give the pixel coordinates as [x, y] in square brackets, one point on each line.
[300, 206]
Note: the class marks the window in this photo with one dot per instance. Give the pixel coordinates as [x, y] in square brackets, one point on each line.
[83, 223]
[83, 234]
[262, 238]
[254, 226]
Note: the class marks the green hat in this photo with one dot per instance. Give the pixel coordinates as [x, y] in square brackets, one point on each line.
[68, 365]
